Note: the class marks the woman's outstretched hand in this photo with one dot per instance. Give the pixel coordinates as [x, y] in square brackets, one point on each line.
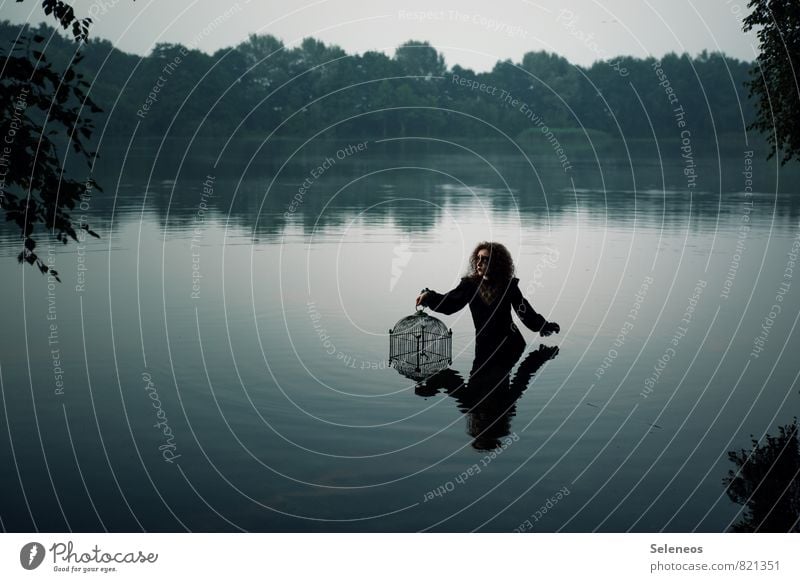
[549, 327]
[421, 298]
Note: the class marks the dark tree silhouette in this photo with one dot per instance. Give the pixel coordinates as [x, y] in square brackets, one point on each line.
[767, 483]
[775, 75]
[65, 15]
[42, 107]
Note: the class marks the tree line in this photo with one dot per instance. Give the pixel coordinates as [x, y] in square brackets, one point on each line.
[261, 87]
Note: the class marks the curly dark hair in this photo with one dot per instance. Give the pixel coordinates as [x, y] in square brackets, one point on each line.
[501, 266]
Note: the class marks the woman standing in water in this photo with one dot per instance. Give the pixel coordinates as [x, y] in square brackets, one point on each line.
[492, 291]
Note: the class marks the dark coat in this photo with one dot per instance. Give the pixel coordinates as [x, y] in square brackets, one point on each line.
[495, 332]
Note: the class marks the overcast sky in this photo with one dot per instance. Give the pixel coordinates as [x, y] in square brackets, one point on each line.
[470, 33]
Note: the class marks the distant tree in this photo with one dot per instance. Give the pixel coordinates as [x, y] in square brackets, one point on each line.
[40, 105]
[775, 76]
[420, 58]
[266, 58]
[552, 82]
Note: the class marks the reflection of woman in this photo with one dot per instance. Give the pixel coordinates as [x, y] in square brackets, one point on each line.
[492, 291]
[489, 397]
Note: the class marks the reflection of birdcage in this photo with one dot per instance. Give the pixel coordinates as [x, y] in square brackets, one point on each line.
[420, 345]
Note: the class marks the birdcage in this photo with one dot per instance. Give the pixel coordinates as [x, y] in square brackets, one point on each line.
[420, 346]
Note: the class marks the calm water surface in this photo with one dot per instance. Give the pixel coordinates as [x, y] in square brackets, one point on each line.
[225, 368]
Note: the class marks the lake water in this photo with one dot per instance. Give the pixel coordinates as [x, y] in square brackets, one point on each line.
[218, 359]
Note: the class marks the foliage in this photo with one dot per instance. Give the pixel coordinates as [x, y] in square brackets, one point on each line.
[39, 104]
[775, 75]
[767, 483]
